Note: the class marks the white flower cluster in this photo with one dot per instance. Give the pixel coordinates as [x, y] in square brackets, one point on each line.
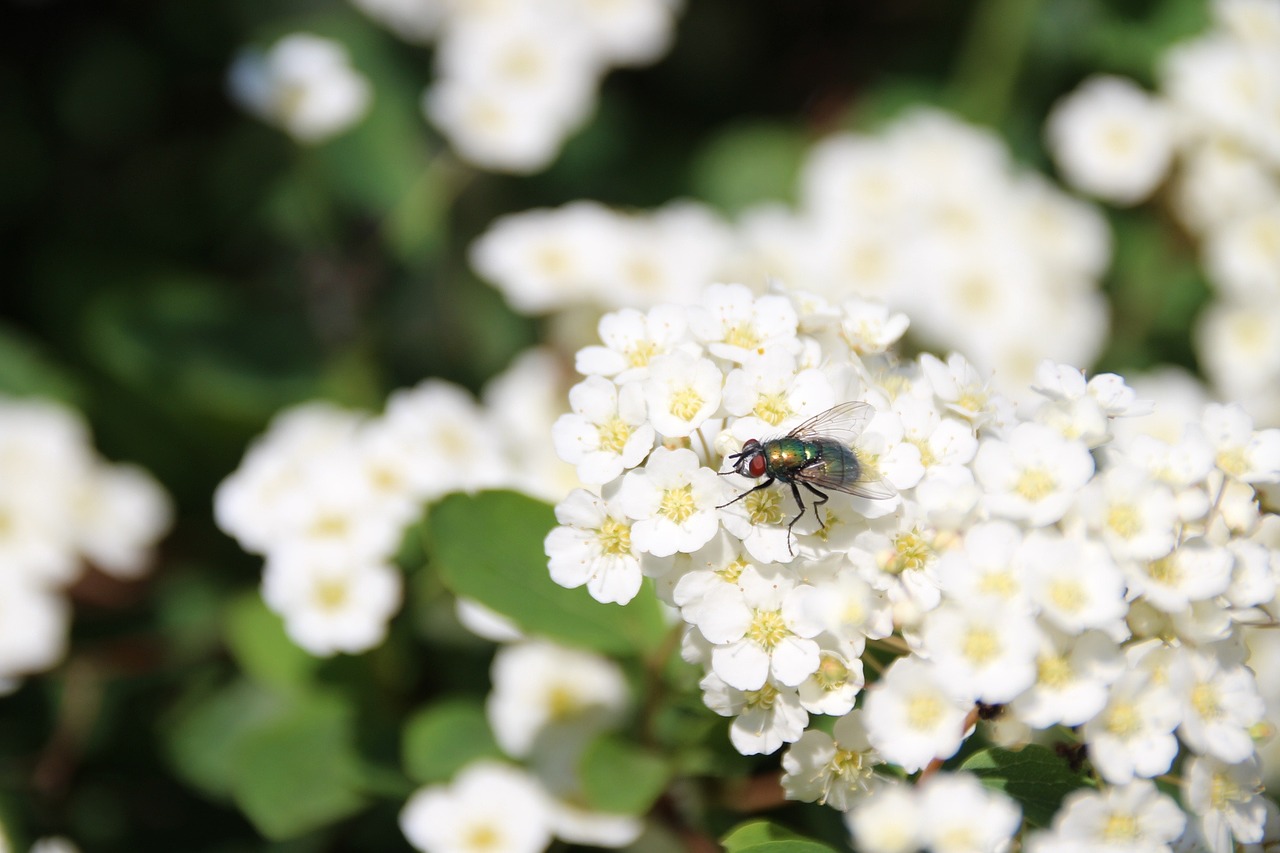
[515, 77]
[303, 84]
[929, 216]
[62, 507]
[1031, 558]
[326, 494]
[1217, 113]
[548, 703]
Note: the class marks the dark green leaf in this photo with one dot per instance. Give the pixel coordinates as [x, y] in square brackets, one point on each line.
[201, 734]
[257, 639]
[488, 547]
[1034, 776]
[299, 771]
[25, 370]
[620, 777]
[762, 836]
[439, 740]
[748, 164]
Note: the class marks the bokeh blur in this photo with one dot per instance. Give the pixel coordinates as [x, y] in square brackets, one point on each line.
[212, 211]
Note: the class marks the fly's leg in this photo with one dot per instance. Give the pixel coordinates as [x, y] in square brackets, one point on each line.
[823, 497]
[795, 493]
[768, 482]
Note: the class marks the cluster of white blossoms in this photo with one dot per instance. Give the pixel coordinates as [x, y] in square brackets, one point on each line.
[547, 704]
[303, 84]
[929, 216]
[327, 493]
[1217, 115]
[1026, 556]
[62, 509]
[515, 77]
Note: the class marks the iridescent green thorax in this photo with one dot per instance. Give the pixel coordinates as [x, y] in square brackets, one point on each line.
[785, 456]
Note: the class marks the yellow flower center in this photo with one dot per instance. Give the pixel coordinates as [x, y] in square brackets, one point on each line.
[1067, 595]
[1233, 461]
[639, 355]
[1124, 521]
[1034, 484]
[764, 506]
[762, 698]
[330, 525]
[923, 712]
[482, 838]
[743, 335]
[912, 551]
[1224, 792]
[767, 629]
[330, 593]
[563, 702]
[832, 674]
[1123, 720]
[614, 537]
[981, 645]
[686, 403]
[998, 584]
[772, 408]
[1120, 828]
[1054, 671]
[1205, 700]
[678, 504]
[730, 572]
[614, 434]
[1165, 571]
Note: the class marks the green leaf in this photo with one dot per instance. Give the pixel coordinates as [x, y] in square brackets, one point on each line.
[442, 738]
[260, 646]
[1034, 776]
[25, 370]
[488, 547]
[748, 164]
[762, 836]
[300, 771]
[201, 734]
[620, 777]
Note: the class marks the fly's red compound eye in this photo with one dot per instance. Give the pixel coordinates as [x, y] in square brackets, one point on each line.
[756, 466]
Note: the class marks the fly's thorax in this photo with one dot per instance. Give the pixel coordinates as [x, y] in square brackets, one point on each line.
[785, 455]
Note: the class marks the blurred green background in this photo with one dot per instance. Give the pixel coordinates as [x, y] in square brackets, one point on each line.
[179, 272]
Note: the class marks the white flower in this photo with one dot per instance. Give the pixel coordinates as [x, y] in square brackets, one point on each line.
[889, 821]
[304, 84]
[673, 500]
[630, 341]
[488, 808]
[34, 624]
[1195, 571]
[1133, 818]
[820, 769]
[1073, 582]
[963, 816]
[1133, 735]
[959, 385]
[415, 21]
[330, 602]
[911, 717]
[627, 32]
[1072, 679]
[986, 654]
[681, 392]
[491, 129]
[1111, 139]
[592, 546]
[1228, 800]
[120, 513]
[607, 431]
[772, 392]
[546, 259]
[1248, 456]
[759, 632]
[1034, 475]
[1220, 707]
[868, 327]
[1134, 515]
[545, 696]
[765, 719]
[984, 572]
[1242, 255]
[736, 324]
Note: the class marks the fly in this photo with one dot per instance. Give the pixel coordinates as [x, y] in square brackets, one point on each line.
[818, 454]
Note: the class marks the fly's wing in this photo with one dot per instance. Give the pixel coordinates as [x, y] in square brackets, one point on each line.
[842, 423]
[840, 470]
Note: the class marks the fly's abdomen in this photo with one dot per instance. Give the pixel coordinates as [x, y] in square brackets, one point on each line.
[839, 463]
